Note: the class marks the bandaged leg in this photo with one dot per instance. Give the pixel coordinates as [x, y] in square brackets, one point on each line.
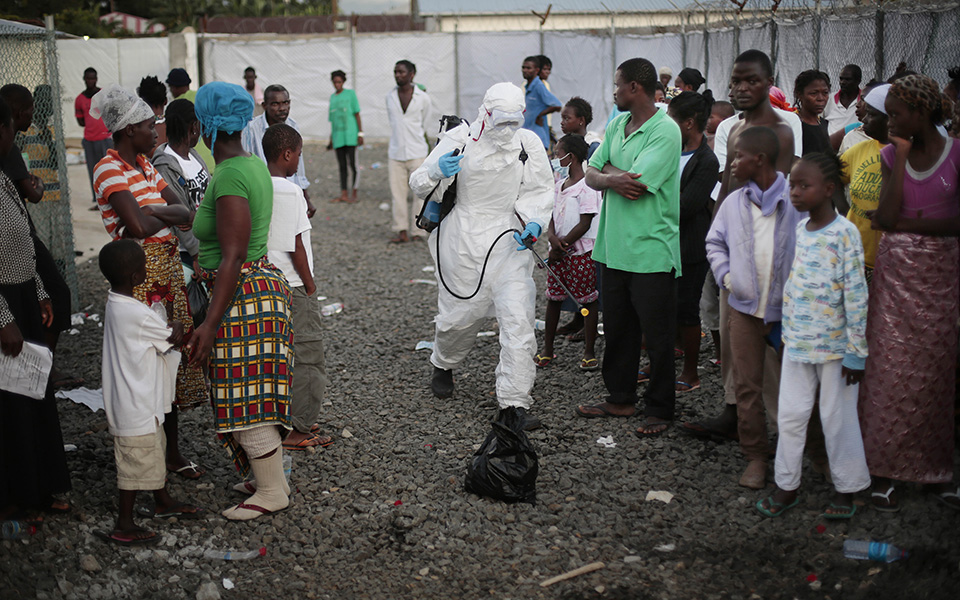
[262, 445]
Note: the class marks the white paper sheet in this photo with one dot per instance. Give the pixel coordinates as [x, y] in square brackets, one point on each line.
[26, 374]
[92, 399]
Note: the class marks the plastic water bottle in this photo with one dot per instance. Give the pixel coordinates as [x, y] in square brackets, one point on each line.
[219, 554]
[287, 466]
[539, 324]
[878, 551]
[157, 306]
[332, 309]
[17, 530]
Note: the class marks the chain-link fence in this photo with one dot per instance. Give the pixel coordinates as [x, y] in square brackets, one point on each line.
[28, 56]
[457, 66]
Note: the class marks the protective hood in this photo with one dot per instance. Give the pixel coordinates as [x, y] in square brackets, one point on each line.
[500, 116]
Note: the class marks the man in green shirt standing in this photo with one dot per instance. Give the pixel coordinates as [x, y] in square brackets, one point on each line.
[638, 243]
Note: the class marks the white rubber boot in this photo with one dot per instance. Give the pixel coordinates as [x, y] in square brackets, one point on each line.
[270, 485]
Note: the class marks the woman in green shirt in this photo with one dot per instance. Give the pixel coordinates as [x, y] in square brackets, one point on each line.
[246, 334]
[346, 133]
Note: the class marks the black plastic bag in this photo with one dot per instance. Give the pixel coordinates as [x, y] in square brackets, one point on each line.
[505, 467]
[197, 300]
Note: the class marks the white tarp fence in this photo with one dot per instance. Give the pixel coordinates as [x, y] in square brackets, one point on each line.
[123, 61]
[457, 68]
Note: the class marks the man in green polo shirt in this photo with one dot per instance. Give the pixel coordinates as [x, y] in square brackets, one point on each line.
[638, 243]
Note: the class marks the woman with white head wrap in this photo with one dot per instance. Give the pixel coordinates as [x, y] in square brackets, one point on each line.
[246, 335]
[504, 182]
[135, 202]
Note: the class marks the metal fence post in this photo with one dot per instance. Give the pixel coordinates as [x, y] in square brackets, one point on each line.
[683, 38]
[817, 24]
[774, 42]
[456, 67]
[878, 43]
[706, 47]
[353, 49]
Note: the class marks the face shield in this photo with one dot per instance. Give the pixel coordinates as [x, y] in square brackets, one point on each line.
[503, 125]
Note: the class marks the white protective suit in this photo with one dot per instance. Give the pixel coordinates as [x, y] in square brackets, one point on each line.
[493, 187]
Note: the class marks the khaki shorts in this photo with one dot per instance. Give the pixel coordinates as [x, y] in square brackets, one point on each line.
[141, 461]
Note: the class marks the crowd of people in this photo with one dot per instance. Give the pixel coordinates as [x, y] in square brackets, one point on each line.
[828, 282]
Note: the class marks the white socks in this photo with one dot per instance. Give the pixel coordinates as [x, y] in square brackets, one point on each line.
[271, 487]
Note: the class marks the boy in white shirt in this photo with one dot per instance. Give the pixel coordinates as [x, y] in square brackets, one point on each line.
[289, 249]
[139, 383]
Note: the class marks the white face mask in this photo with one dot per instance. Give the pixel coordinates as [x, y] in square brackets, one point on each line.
[561, 171]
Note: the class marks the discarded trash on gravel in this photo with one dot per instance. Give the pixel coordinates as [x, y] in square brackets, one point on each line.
[486, 333]
[227, 584]
[665, 547]
[424, 345]
[426, 281]
[607, 441]
[664, 497]
[427, 269]
[383, 206]
[574, 573]
[92, 399]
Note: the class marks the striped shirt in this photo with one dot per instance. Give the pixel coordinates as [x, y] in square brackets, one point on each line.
[112, 174]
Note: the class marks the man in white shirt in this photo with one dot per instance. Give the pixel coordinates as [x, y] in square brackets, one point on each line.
[841, 107]
[408, 110]
[276, 106]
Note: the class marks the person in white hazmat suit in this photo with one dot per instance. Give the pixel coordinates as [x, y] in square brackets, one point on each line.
[504, 182]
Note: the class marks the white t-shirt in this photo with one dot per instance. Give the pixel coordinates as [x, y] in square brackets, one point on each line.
[723, 131]
[289, 220]
[837, 116]
[139, 367]
[763, 251]
[194, 175]
[569, 204]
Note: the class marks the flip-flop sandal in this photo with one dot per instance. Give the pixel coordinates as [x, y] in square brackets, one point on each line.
[254, 508]
[689, 387]
[951, 499]
[647, 424]
[715, 362]
[542, 361]
[603, 410]
[848, 513]
[118, 537]
[176, 511]
[307, 442]
[884, 502]
[190, 471]
[589, 364]
[781, 508]
[701, 430]
[643, 377]
[576, 336]
[678, 354]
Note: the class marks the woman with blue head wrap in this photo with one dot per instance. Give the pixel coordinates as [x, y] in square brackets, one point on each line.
[246, 336]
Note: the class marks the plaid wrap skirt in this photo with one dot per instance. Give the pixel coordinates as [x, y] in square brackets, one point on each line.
[250, 365]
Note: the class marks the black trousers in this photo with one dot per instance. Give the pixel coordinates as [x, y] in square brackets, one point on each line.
[637, 305]
[345, 154]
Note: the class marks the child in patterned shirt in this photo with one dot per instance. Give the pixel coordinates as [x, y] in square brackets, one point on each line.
[824, 336]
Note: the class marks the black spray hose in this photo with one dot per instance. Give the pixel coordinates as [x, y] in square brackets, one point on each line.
[482, 271]
[583, 310]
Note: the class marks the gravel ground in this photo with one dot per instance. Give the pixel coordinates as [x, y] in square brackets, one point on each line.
[382, 513]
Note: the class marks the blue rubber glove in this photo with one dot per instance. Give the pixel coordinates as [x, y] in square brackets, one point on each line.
[531, 232]
[450, 164]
